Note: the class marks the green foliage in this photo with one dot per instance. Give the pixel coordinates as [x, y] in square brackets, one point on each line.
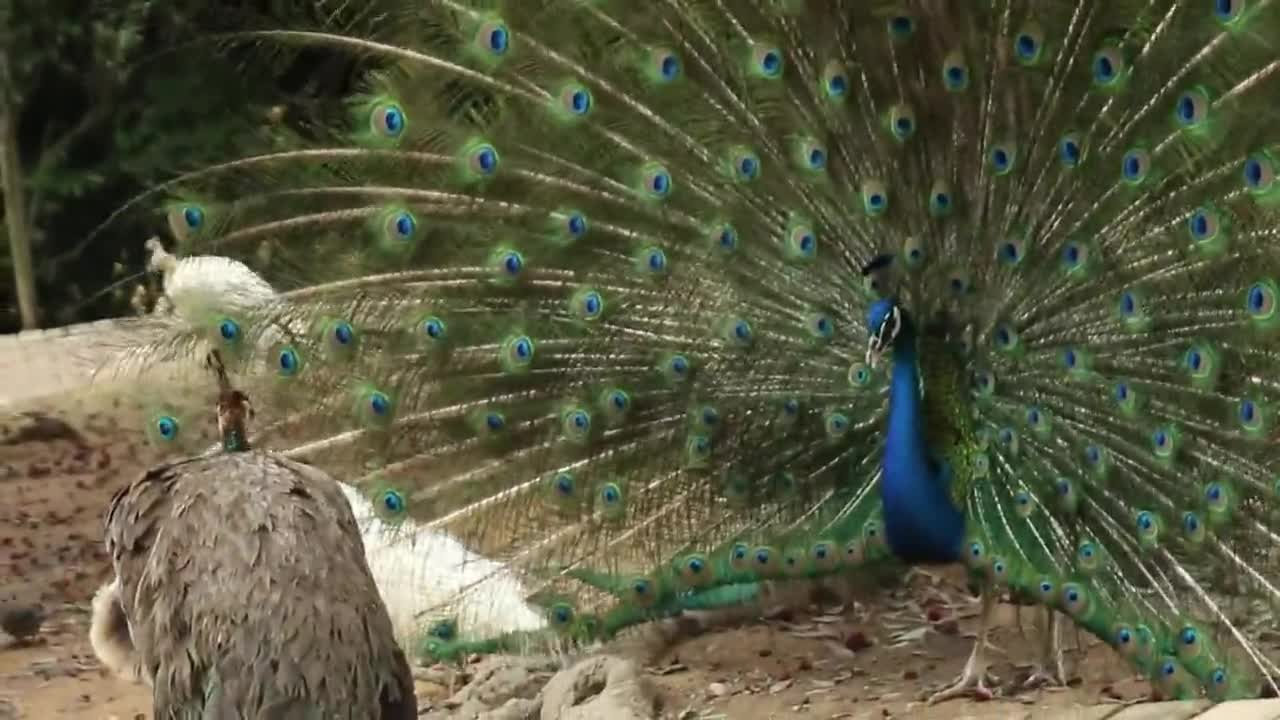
[119, 95]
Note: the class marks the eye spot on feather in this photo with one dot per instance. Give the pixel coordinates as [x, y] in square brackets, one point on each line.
[343, 333]
[1024, 503]
[955, 72]
[821, 326]
[985, 382]
[835, 80]
[1192, 108]
[392, 502]
[767, 61]
[901, 27]
[167, 427]
[655, 260]
[1027, 45]
[1188, 637]
[802, 243]
[1070, 151]
[433, 328]
[941, 202]
[1010, 253]
[379, 404]
[664, 65]
[1093, 455]
[387, 120]
[875, 197]
[494, 421]
[287, 362]
[1006, 338]
[1135, 166]
[1214, 494]
[619, 400]
[484, 159]
[511, 263]
[1193, 530]
[1108, 67]
[1259, 173]
[726, 239]
[561, 614]
[1148, 528]
[1074, 600]
[817, 158]
[494, 38]
[402, 225]
[591, 304]
[1203, 224]
[576, 224]
[1227, 12]
[1123, 637]
[193, 217]
[576, 100]
[1260, 301]
[1002, 158]
[229, 330]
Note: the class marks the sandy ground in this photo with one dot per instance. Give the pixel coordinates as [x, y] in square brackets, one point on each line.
[871, 659]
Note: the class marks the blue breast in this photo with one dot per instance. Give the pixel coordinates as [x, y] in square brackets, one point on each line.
[922, 525]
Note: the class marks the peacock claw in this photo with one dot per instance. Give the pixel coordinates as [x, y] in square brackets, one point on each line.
[971, 683]
[1041, 678]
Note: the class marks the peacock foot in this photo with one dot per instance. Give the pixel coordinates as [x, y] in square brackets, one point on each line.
[1048, 670]
[1043, 678]
[974, 682]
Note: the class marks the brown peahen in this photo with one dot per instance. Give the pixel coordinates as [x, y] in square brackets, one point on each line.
[241, 591]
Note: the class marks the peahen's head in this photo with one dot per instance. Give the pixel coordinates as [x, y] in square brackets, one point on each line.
[886, 321]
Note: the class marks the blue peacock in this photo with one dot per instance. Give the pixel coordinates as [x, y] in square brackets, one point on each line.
[653, 305]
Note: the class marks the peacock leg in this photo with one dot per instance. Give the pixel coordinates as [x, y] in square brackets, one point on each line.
[973, 680]
[1048, 667]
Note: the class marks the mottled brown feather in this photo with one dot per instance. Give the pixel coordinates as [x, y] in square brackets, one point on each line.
[244, 581]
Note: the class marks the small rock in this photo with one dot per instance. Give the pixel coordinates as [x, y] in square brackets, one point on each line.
[717, 689]
[910, 675]
[21, 620]
[857, 640]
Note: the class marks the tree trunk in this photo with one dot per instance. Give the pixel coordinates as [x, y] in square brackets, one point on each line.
[15, 203]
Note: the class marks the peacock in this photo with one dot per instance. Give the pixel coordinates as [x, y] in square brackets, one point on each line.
[241, 589]
[652, 307]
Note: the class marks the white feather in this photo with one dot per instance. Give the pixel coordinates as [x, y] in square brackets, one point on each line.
[424, 574]
[204, 284]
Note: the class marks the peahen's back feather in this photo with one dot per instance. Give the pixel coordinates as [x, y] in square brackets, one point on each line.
[580, 286]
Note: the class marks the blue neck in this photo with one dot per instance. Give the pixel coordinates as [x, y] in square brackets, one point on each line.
[922, 525]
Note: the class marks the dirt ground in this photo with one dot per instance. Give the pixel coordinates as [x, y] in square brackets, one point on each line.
[873, 659]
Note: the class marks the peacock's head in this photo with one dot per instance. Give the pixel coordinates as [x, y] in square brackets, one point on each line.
[885, 321]
[158, 260]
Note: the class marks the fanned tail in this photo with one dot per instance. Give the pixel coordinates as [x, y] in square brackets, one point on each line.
[582, 292]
